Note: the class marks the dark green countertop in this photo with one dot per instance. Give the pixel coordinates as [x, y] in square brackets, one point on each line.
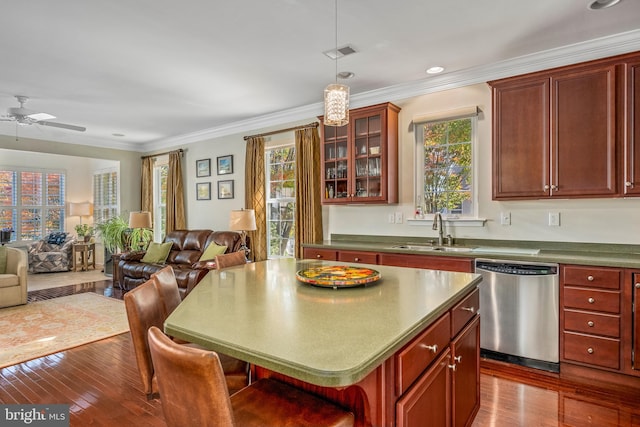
[606, 255]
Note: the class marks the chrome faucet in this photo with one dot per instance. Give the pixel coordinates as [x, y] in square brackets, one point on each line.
[437, 225]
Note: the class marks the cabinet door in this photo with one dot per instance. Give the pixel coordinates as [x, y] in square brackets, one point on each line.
[636, 321]
[462, 265]
[521, 139]
[583, 132]
[369, 173]
[632, 147]
[428, 402]
[335, 163]
[465, 352]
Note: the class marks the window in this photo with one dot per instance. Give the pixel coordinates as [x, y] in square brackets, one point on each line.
[281, 202]
[445, 167]
[32, 202]
[160, 173]
[105, 195]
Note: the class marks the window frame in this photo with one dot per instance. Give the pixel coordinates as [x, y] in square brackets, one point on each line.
[112, 210]
[471, 218]
[44, 208]
[281, 144]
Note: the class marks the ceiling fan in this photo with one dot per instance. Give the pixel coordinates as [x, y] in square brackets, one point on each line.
[24, 116]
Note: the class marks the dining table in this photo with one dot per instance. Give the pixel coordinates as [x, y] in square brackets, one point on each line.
[319, 335]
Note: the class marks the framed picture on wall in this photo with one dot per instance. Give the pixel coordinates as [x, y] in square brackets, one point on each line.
[225, 189]
[203, 168]
[225, 164]
[203, 191]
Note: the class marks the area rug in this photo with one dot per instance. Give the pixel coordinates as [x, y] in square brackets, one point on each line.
[45, 327]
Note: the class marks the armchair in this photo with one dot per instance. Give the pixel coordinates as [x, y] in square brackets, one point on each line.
[13, 281]
[53, 253]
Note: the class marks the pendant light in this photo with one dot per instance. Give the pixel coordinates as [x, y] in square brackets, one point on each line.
[336, 96]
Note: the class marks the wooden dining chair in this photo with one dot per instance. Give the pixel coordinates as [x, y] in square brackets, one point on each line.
[145, 308]
[230, 259]
[193, 392]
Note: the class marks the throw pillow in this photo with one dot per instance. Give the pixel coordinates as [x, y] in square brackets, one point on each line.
[3, 259]
[57, 238]
[157, 253]
[211, 251]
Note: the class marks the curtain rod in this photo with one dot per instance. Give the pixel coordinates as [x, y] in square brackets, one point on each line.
[181, 151]
[310, 125]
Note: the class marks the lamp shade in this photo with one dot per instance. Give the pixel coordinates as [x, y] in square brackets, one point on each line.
[140, 220]
[80, 209]
[243, 220]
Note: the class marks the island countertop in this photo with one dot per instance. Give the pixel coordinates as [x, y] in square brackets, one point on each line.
[262, 314]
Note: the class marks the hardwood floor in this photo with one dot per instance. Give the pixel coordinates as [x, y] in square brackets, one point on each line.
[100, 381]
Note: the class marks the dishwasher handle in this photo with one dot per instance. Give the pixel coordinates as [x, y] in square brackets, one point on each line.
[517, 268]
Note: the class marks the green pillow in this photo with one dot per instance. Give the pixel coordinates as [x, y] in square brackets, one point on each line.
[157, 253]
[3, 259]
[211, 251]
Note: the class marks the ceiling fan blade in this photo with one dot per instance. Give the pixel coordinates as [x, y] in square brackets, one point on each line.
[40, 116]
[63, 126]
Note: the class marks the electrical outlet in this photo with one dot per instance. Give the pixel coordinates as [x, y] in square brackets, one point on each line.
[505, 218]
[398, 217]
[392, 218]
[554, 219]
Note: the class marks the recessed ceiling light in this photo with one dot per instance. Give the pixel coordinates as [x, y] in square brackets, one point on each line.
[119, 135]
[435, 70]
[603, 4]
[345, 75]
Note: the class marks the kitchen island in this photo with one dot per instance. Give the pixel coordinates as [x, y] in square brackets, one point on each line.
[371, 348]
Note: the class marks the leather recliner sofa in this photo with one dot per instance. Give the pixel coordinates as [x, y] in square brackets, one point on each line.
[186, 250]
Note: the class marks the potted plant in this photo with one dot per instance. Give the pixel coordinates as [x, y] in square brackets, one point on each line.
[84, 231]
[116, 236]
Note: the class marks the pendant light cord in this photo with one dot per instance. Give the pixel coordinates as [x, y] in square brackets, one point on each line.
[336, 53]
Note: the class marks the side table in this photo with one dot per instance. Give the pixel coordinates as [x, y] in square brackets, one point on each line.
[87, 252]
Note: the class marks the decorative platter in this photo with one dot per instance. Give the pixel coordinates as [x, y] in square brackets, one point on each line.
[338, 276]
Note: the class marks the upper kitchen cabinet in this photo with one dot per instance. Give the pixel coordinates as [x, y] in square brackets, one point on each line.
[360, 159]
[554, 134]
[632, 146]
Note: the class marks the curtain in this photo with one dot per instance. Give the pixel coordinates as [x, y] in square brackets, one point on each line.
[175, 194]
[308, 204]
[255, 197]
[146, 193]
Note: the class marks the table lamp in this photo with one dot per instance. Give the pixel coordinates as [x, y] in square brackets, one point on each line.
[80, 209]
[243, 220]
[140, 220]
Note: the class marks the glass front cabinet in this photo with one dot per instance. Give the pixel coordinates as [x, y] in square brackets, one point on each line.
[360, 159]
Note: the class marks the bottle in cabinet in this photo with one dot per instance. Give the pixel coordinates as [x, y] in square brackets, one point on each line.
[360, 159]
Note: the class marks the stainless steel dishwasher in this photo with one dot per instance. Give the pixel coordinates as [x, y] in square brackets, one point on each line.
[519, 308]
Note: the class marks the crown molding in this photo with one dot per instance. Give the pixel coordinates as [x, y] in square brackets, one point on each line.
[571, 54]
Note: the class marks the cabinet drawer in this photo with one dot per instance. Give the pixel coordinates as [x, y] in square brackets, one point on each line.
[592, 323]
[576, 412]
[355, 256]
[414, 358]
[592, 277]
[590, 299]
[464, 311]
[598, 351]
[463, 265]
[325, 254]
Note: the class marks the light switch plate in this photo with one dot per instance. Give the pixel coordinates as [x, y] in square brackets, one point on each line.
[554, 219]
[505, 218]
[392, 218]
[399, 218]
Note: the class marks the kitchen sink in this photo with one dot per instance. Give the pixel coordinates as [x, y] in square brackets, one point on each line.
[431, 248]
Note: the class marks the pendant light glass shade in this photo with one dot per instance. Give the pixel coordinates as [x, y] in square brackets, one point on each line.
[336, 105]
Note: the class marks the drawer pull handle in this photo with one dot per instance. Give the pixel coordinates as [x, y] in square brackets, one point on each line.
[590, 278]
[318, 256]
[590, 350]
[457, 359]
[469, 309]
[356, 259]
[637, 285]
[452, 367]
[591, 300]
[590, 323]
[432, 348]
